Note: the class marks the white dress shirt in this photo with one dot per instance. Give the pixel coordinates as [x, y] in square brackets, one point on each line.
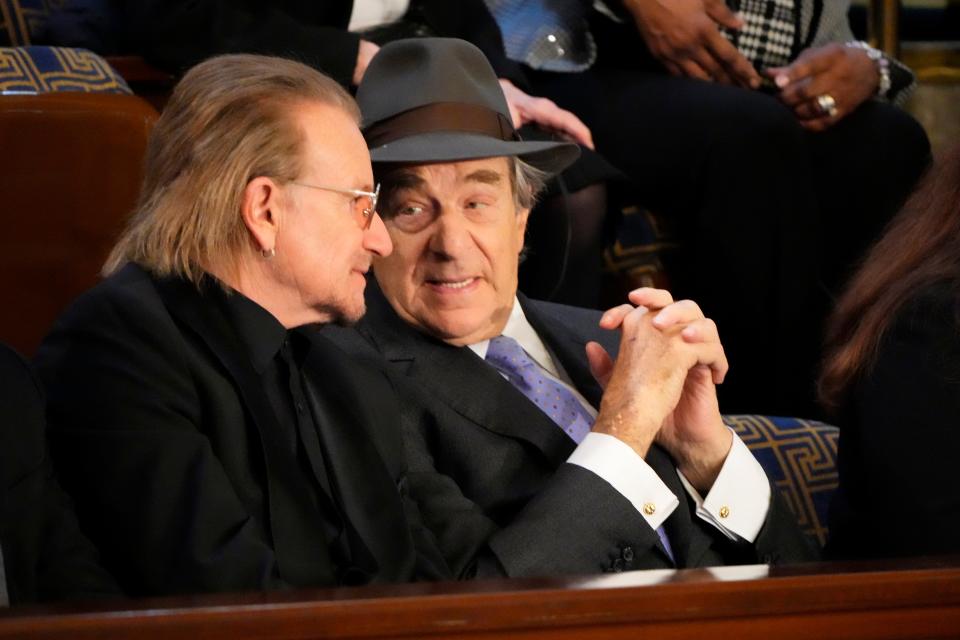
[738, 501]
[371, 13]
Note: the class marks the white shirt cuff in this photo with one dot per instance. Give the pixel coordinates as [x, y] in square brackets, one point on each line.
[629, 474]
[739, 499]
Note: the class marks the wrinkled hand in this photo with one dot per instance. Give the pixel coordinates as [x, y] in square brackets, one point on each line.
[662, 385]
[846, 73]
[541, 111]
[364, 55]
[683, 35]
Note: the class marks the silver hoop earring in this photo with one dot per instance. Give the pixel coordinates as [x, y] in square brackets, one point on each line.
[268, 253]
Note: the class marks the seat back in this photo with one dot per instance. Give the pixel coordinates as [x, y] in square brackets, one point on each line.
[70, 173]
[800, 458]
[36, 69]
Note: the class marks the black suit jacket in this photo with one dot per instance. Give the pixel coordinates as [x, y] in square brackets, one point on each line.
[169, 444]
[490, 472]
[45, 555]
[176, 34]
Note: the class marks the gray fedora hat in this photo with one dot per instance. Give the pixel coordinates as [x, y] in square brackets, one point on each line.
[438, 100]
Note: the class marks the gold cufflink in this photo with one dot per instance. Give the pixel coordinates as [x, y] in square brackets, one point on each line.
[724, 511]
[649, 508]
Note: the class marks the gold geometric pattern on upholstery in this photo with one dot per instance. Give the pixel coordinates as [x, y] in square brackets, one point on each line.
[47, 69]
[20, 20]
[800, 458]
[636, 259]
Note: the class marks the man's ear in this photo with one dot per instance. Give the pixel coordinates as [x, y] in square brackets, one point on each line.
[521, 222]
[261, 212]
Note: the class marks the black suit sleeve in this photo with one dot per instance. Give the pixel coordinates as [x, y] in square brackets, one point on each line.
[780, 541]
[125, 419]
[67, 565]
[176, 34]
[46, 556]
[576, 523]
[899, 439]
[500, 509]
[579, 524]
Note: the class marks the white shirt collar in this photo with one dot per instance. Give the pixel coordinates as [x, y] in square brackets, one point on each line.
[520, 329]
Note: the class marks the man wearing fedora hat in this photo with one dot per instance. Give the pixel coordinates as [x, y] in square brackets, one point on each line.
[531, 450]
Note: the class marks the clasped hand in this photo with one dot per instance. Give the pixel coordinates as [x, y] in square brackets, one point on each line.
[662, 386]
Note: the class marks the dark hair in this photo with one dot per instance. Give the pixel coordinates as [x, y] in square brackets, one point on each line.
[920, 247]
[526, 181]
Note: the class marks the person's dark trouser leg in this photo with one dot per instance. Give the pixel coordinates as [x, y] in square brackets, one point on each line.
[864, 168]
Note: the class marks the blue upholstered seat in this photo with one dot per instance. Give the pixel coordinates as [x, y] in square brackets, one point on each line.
[27, 68]
[800, 458]
[36, 69]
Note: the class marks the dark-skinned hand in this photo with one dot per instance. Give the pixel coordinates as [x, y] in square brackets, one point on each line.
[684, 36]
[845, 73]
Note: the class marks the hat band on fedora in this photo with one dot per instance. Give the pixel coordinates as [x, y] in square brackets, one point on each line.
[441, 116]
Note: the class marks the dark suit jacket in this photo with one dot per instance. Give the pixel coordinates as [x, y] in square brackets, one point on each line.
[489, 468]
[167, 440]
[899, 437]
[176, 34]
[45, 555]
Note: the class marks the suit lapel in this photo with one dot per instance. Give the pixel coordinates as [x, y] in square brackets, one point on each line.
[351, 405]
[298, 538]
[458, 377]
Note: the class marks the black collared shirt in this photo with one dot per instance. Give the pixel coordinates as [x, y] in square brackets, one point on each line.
[264, 338]
[277, 355]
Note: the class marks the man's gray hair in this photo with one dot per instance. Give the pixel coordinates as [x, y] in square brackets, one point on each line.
[527, 182]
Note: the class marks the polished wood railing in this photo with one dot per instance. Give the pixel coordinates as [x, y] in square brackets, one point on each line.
[920, 599]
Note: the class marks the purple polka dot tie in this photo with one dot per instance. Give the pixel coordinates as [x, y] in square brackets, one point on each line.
[550, 396]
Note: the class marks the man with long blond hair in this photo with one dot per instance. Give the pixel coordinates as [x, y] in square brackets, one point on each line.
[211, 439]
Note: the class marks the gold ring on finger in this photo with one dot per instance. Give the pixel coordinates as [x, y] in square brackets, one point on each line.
[827, 105]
